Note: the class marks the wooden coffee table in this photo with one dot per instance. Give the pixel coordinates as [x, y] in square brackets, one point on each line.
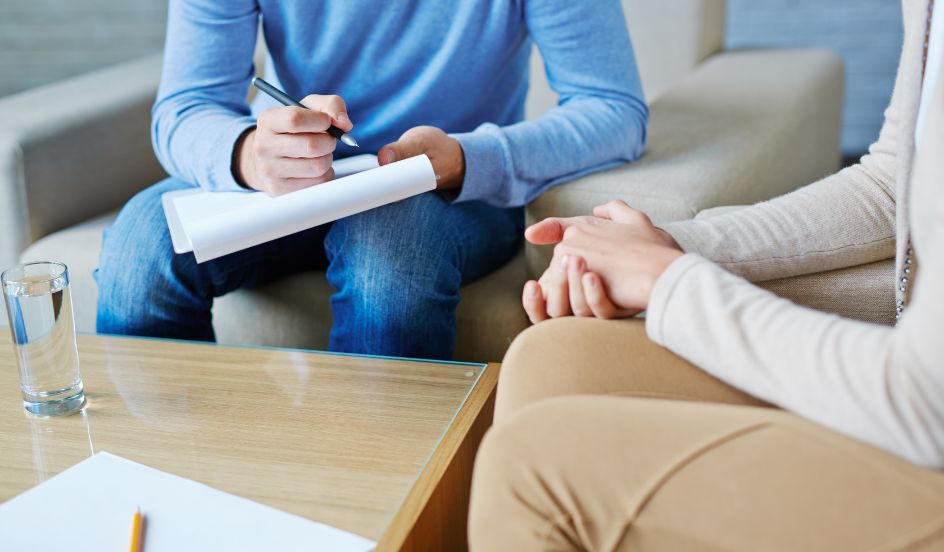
[379, 447]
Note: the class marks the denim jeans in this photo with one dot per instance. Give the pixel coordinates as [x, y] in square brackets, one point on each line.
[397, 271]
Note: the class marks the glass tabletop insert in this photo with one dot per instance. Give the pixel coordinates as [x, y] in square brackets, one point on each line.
[335, 438]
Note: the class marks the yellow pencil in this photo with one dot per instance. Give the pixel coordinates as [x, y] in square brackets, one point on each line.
[136, 532]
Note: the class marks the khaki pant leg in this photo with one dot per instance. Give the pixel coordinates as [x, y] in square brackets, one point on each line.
[578, 356]
[610, 473]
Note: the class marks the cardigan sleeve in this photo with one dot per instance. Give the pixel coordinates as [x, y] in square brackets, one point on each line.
[844, 220]
[876, 383]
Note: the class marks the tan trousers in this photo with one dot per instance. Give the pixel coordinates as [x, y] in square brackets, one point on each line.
[586, 454]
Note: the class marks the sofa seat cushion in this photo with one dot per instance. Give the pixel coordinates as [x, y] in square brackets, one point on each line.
[295, 311]
[78, 247]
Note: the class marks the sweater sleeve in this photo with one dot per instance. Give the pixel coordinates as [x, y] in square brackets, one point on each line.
[600, 121]
[878, 384]
[201, 108]
[844, 220]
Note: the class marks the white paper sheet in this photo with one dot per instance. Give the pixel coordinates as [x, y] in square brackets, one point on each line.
[216, 224]
[89, 508]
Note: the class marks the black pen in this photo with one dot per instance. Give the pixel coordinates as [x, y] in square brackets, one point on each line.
[285, 99]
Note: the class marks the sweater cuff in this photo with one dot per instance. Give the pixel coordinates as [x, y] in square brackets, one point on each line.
[485, 167]
[664, 291]
[221, 177]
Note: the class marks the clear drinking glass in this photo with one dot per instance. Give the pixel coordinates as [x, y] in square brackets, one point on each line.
[39, 307]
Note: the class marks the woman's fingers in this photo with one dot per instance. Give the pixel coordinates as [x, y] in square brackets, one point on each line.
[553, 230]
[556, 292]
[546, 232]
[615, 210]
[596, 297]
[578, 304]
[533, 301]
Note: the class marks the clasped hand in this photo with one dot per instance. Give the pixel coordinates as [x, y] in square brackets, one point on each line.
[290, 150]
[604, 265]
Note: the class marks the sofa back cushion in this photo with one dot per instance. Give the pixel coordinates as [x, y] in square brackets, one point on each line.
[670, 37]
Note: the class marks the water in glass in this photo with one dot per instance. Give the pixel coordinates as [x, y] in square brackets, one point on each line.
[39, 307]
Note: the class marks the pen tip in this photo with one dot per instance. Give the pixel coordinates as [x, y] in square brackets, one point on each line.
[349, 140]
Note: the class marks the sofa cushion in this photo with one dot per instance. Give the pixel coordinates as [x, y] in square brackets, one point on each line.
[864, 292]
[295, 311]
[669, 40]
[78, 247]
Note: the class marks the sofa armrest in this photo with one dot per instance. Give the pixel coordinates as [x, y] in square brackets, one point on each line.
[745, 126]
[73, 150]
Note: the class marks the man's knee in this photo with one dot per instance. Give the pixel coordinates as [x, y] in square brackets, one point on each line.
[404, 233]
[395, 300]
[420, 210]
[140, 231]
[390, 262]
[137, 250]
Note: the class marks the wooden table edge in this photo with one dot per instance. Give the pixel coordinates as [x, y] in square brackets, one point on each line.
[421, 523]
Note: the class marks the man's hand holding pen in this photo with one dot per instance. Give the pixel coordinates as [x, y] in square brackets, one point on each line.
[290, 148]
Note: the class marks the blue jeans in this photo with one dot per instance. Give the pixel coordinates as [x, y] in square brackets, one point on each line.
[397, 271]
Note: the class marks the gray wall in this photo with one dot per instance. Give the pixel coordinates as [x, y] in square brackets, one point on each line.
[47, 40]
[866, 32]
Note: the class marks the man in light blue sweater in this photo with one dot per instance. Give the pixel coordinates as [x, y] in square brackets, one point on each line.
[443, 77]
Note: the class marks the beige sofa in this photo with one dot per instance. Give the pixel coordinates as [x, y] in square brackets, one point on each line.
[72, 153]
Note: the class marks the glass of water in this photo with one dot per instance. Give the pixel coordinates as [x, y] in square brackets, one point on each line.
[39, 308]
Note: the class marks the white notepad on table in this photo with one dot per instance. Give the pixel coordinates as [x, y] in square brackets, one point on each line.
[214, 224]
[89, 508]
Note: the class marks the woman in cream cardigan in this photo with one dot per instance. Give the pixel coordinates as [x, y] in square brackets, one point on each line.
[851, 459]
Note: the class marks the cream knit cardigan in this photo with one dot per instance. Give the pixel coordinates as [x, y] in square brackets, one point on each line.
[879, 384]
